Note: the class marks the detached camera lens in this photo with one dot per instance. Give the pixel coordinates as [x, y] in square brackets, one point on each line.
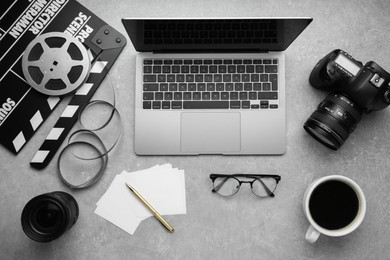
[48, 216]
[334, 120]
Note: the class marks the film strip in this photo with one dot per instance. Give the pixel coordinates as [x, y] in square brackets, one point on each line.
[83, 161]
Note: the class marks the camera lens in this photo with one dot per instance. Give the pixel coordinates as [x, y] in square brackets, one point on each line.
[334, 120]
[48, 216]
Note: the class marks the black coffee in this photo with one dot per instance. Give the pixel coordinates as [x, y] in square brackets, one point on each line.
[333, 205]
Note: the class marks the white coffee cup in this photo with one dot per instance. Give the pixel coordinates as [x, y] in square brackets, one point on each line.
[315, 230]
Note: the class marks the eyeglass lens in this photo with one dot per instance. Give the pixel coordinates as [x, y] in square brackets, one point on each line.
[264, 187]
[228, 186]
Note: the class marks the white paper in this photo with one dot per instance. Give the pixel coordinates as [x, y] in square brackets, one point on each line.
[113, 206]
[163, 189]
[162, 186]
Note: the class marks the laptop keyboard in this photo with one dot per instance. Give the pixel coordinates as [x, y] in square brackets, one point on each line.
[210, 84]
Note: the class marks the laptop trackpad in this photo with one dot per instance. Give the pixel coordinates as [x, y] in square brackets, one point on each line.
[210, 132]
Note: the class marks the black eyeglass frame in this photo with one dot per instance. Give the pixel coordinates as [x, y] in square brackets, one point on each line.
[214, 176]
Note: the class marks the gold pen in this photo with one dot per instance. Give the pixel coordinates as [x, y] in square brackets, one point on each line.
[150, 207]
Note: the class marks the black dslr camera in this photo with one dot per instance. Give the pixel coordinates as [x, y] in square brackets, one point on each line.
[355, 89]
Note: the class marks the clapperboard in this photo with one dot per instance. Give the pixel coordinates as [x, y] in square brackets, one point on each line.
[23, 109]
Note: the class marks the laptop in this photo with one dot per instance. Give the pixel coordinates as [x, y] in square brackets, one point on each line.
[211, 85]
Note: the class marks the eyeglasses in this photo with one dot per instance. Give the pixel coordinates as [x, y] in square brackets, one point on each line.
[229, 184]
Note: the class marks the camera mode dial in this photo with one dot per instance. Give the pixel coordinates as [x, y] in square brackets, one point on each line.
[377, 80]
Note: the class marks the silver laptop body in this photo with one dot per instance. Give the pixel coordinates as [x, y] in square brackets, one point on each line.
[188, 123]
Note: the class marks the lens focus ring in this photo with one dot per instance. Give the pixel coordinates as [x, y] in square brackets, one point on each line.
[338, 113]
[334, 120]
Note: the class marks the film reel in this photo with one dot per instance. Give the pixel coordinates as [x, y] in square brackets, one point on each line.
[56, 64]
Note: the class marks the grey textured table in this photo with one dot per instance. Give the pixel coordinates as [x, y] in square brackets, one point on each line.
[242, 227]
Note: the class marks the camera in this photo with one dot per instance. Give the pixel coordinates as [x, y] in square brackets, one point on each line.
[354, 90]
[48, 216]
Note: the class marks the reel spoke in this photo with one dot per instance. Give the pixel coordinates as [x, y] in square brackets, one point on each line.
[45, 47]
[66, 45]
[35, 63]
[45, 79]
[78, 63]
[65, 79]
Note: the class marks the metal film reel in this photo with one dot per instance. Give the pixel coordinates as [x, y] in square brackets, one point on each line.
[56, 64]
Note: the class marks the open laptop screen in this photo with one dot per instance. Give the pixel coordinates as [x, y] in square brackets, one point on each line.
[214, 35]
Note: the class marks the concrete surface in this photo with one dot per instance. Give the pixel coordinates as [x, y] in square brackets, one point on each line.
[241, 227]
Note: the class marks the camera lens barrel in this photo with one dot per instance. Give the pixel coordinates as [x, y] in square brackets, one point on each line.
[48, 216]
[334, 120]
